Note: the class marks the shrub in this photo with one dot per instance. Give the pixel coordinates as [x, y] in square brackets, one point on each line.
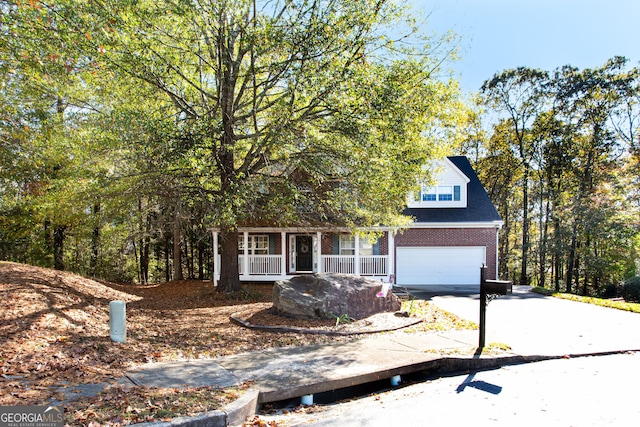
[610, 291]
[631, 289]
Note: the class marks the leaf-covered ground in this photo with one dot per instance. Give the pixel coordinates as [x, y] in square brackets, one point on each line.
[54, 330]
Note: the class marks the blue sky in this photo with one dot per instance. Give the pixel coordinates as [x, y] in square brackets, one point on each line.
[546, 34]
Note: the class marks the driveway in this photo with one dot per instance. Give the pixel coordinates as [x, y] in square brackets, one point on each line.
[533, 324]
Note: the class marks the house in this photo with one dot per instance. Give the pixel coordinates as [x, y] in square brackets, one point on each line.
[454, 233]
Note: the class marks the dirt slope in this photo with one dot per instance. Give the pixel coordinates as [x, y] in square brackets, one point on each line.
[54, 328]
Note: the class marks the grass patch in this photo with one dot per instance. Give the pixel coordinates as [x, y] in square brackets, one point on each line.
[602, 302]
[435, 319]
[496, 348]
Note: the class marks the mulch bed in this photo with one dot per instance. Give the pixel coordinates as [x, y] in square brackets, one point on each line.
[269, 320]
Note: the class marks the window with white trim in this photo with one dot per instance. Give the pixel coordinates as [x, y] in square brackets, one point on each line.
[441, 193]
[348, 245]
[366, 246]
[258, 245]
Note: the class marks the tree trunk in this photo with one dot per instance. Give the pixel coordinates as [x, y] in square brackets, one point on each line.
[48, 239]
[201, 249]
[144, 242]
[95, 240]
[544, 241]
[177, 250]
[144, 259]
[556, 252]
[58, 247]
[167, 251]
[572, 258]
[191, 257]
[524, 279]
[229, 271]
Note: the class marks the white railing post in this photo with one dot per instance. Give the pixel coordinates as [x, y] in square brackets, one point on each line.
[391, 254]
[319, 252]
[283, 253]
[246, 269]
[356, 269]
[216, 259]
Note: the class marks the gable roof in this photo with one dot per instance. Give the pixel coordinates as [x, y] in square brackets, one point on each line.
[479, 206]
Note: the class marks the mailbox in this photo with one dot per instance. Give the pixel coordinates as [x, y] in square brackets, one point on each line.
[496, 287]
[489, 289]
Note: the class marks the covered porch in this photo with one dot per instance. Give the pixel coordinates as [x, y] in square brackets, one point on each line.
[270, 254]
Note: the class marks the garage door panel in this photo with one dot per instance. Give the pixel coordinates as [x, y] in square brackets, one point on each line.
[456, 265]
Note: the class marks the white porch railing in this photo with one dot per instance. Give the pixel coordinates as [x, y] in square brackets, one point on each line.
[344, 264]
[271, 265]
[370, 265]
[262, 264]
[374, 265]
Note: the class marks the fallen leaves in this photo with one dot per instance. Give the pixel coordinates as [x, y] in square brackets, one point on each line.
[257, 422]
[54, 334]
[121, 406]
[54, 329]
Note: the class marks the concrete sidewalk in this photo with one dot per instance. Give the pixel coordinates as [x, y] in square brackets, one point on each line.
[288, 373]
[535, 327]
[285, 373]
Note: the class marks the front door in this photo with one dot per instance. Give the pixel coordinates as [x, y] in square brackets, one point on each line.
[304, 253]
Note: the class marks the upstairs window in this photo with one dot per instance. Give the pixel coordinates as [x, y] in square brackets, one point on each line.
[441, 193]
[445, 193]
[429, 194]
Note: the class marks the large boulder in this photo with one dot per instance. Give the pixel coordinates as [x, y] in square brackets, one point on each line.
[330, 295]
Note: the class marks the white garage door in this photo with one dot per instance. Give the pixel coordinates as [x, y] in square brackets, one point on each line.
[449, 265]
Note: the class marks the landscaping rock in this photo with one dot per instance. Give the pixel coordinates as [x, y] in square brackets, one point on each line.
[330, 296]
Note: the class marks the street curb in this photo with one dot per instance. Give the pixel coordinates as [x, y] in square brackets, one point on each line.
[233, 414]
[246, 406]
[439, 365]
[457, 364]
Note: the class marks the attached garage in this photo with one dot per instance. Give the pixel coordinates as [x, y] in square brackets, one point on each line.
[444, 265]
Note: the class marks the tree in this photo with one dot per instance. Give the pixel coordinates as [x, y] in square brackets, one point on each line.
[268, 92]
[520, 94]
[588, 99]
[572, 133]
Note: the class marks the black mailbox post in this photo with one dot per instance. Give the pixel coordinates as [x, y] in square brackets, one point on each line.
[489, 290]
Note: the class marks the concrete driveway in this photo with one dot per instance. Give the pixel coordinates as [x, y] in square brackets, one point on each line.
[532, 324]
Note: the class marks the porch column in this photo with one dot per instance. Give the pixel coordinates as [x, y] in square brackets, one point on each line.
[319, 253]
[356, 267]
[391, 242]
[216, 264]
[283, 259]
[246, 253]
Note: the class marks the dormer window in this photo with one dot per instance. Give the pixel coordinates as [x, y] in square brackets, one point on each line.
[428, 194]
[447, 193]
[448, 189]
[441, 193]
